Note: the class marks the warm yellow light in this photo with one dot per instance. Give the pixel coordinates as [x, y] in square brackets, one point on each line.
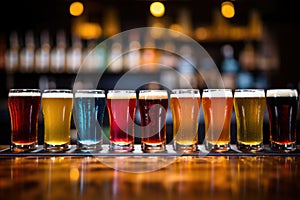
[88, 30]
[76, 8]
[227, 9]
[157, 9]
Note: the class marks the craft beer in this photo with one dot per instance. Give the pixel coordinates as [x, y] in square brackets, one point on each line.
[57, 109]
[24, 108]
[89, 107]
[153, 106]
[121, 106]
[185, 107]
[282, 107]
[249, 106]
[217, 107]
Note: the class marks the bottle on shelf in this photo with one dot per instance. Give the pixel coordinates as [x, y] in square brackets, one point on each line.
[115, 57]
[42, 54]
[58, 53]
[12, 53]
[27, 53]
[133, 54]
[74, 55]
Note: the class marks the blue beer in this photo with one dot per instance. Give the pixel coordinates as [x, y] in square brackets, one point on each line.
[89, 107]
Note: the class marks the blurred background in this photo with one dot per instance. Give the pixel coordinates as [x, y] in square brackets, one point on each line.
[254, 43]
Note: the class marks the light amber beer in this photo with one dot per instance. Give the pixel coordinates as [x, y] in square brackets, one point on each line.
[249, 106]
[217, 105]
[185, 107]
[57, 110]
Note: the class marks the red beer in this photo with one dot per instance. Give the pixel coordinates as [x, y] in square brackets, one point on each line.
[153, 106]
[121, 105]
[24, 108]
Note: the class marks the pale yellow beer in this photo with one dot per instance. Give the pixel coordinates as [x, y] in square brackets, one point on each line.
[249, 106]
[217, 105]
[185, 106]
[57, 109]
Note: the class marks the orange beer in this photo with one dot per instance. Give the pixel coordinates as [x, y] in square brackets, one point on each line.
[185, 106]
[217, 107]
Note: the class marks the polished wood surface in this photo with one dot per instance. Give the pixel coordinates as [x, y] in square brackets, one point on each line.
[150, 177]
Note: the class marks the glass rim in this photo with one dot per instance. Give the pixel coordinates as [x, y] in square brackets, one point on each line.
[216, 89]
[185, 90]
[90, 91]
[121, 91]
[57, 91]
[249, 93]
[248, 89]
[16, 90]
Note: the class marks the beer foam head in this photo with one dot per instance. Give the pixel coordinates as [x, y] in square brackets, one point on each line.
[153, 94]
[214, 93]
[248, 93]
[121, 94]
[89, 95]
[24, 94]
[185, 93]
[282, 93]
[57, 94]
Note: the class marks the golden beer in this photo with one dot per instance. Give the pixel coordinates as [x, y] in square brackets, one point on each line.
[217, 107]
[185, 106]
[249, 106]
[57, 110]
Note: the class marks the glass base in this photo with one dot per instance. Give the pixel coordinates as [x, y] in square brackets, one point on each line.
[217, 147]
[17, 147]
[89, 147]
[121, 147]
[185, 148]
[283, 147]
[56, 148]
[153, 148]
[250, 147]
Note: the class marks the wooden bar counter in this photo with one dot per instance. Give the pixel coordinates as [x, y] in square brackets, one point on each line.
[71, 175]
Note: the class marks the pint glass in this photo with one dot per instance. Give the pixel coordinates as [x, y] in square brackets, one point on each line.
[249, 106]
[282, 107]
[57, 109]
[185, 106]
[153, 106]
[217, 105]
[89, 107]
[121, 106]
[24, 107]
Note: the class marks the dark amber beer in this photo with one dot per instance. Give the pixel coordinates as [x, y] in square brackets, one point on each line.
[153, 106]
[249, 106]
[185, 106]
[282, 107]
[57, 109]
[121, 106]
[217, 107]
[24, 108]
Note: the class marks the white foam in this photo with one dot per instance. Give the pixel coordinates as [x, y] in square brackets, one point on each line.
[120, 95]
[24, 94]
[89, 95]
[282, 93]
[249, 93]
[217, 93]
[57, 95]
[185, 95]
[153, 94]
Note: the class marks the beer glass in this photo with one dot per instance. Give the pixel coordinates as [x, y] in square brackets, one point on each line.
[249, 106]
[153, 106]
[282, 107]
[121, 106]
[24, 107]
[57, 110]
[217, 105]
[89, 107]
[185, 107]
